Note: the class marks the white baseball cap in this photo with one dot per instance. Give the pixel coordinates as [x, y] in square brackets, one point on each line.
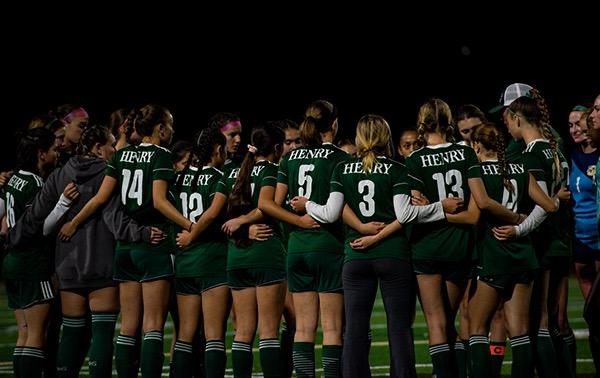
[510, 94]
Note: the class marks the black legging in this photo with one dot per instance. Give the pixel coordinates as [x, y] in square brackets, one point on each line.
[397, 285]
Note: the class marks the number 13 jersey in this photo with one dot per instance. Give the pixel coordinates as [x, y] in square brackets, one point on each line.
[439, 172]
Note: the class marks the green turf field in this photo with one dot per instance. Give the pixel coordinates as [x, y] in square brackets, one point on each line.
[379, 351]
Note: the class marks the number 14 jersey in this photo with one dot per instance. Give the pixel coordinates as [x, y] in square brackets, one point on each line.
[135, 168]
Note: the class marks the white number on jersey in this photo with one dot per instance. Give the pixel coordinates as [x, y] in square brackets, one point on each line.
[192, 208]
[509, 200]
[10, 210]
[135, 190]
[367, 188]
[453, 179]
[304, 178]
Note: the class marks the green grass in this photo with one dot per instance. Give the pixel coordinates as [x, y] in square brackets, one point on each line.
[379, 358]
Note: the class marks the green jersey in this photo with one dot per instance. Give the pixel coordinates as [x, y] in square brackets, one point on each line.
[307, 173]
[439, 172]
[27, 262]
[232, 163]
[207, 256]
[135, 168]
[370, 196]
[515, 148]
[258, 254]
[539, 161]
[509, 256]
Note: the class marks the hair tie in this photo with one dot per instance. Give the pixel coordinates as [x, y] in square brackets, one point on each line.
[252, 149]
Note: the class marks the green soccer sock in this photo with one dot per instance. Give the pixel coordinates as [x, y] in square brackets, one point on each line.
[32, 362]
[127, 356]
[545, 355]
[304, 359]
[182, 363]
[522, 356]
[332, 358]
[479, 350]
[270, 357]
[215, 358]
[72, 348]
[442, 359]
[152, 354]
[17, 361]
[101, 350]
[563, 354]
[460, 353]
[241, 358]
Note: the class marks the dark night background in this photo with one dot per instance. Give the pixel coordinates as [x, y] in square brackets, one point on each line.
[265, 68]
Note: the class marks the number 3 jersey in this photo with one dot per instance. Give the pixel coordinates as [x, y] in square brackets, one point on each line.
[135, 168]
[439, 172]
[370, 196]
[307, 172]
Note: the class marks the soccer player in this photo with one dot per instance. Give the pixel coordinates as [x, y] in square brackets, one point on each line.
[200, 262]
[26, 266]
[142, 174]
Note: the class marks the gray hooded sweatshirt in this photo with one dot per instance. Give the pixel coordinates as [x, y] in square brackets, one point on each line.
[86, 260]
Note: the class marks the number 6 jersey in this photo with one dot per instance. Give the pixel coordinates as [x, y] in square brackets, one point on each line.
[439, 172]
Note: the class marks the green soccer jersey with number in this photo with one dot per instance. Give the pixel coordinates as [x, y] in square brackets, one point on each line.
[135, 168]
[207, 256]
[27, 262]
[509, 256]
[439, 172]
[370, 196]
[258, 254]
[539, 161]
[307, 173]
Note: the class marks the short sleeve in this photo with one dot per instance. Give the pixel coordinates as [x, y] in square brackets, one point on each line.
[112, 167]
[336, 185]
[412, 176]
[226, 182]
[282, 173]
[400, 180]
[473, 166]
[534, 165]
[163, 167]
[269, 177]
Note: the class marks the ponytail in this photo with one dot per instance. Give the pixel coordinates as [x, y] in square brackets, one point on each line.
[373, 137]
[544, 124]
[320, 117]
[490, 138]
[264, 141]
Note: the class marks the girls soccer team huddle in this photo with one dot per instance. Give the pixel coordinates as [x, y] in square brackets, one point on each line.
[297, 229]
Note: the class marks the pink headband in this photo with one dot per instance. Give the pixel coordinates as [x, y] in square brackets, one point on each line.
[77, 112]
[230, 125]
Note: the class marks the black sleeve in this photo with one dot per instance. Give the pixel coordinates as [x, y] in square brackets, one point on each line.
[121, 225]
